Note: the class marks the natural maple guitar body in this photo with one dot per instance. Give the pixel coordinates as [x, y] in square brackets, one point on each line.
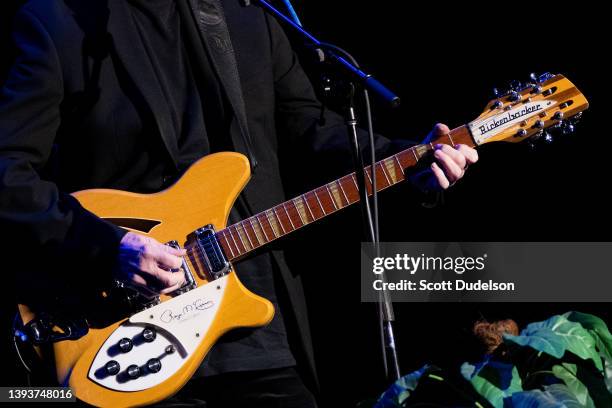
[153, 353]
[204, 195]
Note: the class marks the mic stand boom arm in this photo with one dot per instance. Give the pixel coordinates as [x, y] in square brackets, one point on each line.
[355, 74]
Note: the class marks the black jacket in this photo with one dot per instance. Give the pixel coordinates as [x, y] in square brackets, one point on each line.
[81, 99]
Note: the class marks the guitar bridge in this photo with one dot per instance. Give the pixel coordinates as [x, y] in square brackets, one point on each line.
[190, 282]
[214, 258]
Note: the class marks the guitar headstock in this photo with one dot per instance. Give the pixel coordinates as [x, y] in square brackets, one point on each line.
[530, 110]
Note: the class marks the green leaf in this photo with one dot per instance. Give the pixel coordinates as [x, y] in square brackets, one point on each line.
[494, 380]
[553, 396]
[399, 392]
[568, 373]
[597, 327]
[557, 335]
[608, 375]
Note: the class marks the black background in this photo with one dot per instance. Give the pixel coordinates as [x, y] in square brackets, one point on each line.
[444, 61]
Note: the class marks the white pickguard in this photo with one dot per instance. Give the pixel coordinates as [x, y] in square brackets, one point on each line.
[485, 129]
[181, 322]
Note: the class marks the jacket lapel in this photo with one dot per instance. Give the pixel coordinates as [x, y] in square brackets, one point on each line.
[131, 52]
[214, 33]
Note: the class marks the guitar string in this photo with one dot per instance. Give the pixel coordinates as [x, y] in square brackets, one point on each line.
[194, 251]
[272, 215]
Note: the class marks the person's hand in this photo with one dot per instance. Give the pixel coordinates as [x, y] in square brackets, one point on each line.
[146, 265]
[449, 166]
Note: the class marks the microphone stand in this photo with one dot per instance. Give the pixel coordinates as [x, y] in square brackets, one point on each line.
[355, 77]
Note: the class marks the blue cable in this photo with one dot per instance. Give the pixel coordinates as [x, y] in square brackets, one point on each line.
[292, 12]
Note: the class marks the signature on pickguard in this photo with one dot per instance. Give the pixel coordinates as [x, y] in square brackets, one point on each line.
[169, 315]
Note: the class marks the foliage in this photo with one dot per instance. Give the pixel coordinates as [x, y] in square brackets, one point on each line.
[562, 362]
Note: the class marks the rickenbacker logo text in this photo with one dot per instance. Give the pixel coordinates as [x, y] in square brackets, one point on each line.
[508, 117]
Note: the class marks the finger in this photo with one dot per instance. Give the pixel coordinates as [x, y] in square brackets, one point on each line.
[168, 279]
[438, 130]
[175, 251]
[471, 155]
[440, 176]
[140, 284]
[456, 155]
[170, 289]
[167, 260]
[451, 169]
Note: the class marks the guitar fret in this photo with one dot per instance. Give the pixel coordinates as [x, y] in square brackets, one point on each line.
[333, 186]
[382, 168]
[228, 244]
[398, 162]
[339, 183]
[274, 226]
[288, 216]
[354, 178]
[308, 207]
[351, 191]
[413, 150]
[262, 228]
[390, 165]
[319, 201]
[280, 222]
[299, 211]
[246, 232]
[255, 232]
[240, 251]
[369, 178]
[331, 197]
[241, 232]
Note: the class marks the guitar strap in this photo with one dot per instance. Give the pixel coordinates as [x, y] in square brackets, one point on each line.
[205, 19]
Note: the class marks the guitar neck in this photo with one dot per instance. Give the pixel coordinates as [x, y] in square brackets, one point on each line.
[254, 232]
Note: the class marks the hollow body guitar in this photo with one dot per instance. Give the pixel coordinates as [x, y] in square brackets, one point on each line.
[150, 355]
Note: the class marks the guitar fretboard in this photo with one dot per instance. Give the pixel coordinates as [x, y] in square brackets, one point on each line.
[251, 233]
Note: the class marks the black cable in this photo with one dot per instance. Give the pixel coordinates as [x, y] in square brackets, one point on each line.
[373, 214]
[371, 217]
[366, 96]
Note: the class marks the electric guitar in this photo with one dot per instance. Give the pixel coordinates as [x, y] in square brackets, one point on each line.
[151, 354]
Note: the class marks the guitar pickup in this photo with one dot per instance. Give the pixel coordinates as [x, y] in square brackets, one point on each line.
[214, 258]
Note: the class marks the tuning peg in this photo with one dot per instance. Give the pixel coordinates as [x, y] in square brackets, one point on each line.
[545, 77]
[496, 92]
[533, 77]
[536, 89]
[514, 96]
[558, 115]
[515, 85]
[521, 133]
